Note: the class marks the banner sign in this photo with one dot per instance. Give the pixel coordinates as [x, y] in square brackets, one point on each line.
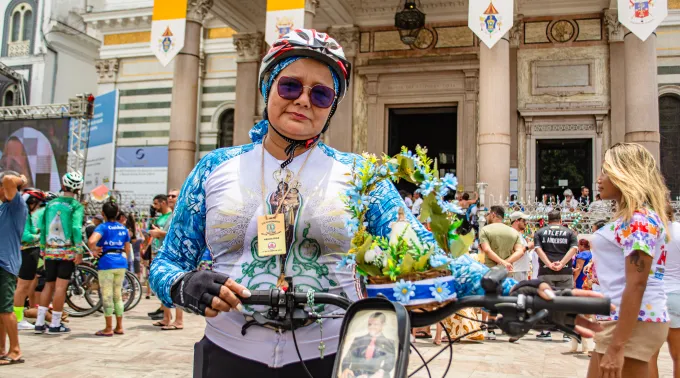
[642, 17]
[141, 173]
[282, 17]
[168, 25]
[101, 142]
[490, 19]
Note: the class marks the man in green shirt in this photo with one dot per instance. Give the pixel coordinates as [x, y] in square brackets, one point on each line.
[165, 205]
[501, 244]
[30, 255]
[61, 238]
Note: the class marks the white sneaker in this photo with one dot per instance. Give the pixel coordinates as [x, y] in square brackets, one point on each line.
[24, 325]
[490, 335]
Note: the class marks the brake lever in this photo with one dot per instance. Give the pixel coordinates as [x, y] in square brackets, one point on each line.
[518, 326]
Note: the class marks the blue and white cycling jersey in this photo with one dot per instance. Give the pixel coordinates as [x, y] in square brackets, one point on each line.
[217, 210]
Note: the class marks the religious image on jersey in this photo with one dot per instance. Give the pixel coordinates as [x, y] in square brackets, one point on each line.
[56, 237]
[287, 197]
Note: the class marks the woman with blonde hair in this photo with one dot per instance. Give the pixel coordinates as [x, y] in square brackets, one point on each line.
[630, 263]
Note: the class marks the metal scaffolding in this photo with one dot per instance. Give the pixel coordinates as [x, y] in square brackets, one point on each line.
[77, 110]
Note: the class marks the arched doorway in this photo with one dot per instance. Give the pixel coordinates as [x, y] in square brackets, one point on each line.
[226, 129]
[669, 128]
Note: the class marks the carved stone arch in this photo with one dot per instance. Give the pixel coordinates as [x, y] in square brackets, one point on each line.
[8, 15]
[223, 121]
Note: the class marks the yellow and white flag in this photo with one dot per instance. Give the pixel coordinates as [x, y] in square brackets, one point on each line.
[168, 25]
[282, 17]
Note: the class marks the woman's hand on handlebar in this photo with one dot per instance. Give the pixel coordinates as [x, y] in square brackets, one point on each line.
[227, 300]
[208, 293]
[583, 325]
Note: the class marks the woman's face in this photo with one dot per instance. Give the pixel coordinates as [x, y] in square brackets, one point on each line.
[14, 159]
[299, 119]
[607, 189]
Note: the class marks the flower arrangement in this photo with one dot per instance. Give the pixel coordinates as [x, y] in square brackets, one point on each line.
[392, 263]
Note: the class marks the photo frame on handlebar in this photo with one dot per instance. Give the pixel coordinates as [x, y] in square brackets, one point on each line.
[374, 336]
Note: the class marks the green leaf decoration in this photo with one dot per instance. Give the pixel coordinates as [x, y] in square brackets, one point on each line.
[462, 244]
[361, 251]
[422, 263]
[407, 264]
[369, 269]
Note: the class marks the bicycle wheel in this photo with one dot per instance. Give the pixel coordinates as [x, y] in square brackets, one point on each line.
[132, 293]
[82, 294]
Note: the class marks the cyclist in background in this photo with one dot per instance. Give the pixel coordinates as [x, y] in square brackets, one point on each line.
[30, 254]
[61, 237]
[108, 242]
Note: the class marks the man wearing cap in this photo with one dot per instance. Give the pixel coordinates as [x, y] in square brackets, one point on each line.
[520, 269]
[569, 203]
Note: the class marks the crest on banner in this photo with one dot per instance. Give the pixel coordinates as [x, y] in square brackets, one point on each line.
[490, 19]
[166, 41]
[642, 17]
[284, 25]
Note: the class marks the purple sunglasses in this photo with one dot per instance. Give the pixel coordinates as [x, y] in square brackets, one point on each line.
[290, 88]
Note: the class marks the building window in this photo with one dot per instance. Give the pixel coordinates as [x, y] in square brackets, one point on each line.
[10, 95]
[226, 130]
[669, 128]
[20, 30]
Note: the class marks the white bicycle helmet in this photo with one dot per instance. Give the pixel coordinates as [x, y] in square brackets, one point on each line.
[72, 181]
[309, 42]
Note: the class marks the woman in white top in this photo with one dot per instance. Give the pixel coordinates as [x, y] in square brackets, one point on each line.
[671, 281]
[630, 264]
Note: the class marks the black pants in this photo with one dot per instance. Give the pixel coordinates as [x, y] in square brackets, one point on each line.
[211, 361]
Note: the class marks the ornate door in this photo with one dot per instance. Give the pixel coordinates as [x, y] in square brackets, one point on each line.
[669, 128]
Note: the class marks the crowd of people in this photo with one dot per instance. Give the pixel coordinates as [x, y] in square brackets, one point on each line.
[48, 236]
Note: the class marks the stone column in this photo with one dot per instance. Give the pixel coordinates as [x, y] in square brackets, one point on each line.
[249, 49]
[339, 134]
[494, 120]
[310, 12]
[617, 77]
[184, 107]
[642, 93]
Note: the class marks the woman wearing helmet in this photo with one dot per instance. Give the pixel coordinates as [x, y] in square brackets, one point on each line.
[285, 171]
[61, 240]
[30, 255]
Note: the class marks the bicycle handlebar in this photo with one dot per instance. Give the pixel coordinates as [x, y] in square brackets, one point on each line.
[496, 303]
[276, 297]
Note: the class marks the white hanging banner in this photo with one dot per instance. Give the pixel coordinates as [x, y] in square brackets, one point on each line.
[490, 19]
[168, 26]
[642, 17]
[282, 17]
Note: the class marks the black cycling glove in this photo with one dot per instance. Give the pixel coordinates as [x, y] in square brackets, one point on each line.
[196, 290]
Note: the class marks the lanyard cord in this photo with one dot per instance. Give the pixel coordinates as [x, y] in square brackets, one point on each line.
[293, 145]
[264, 201]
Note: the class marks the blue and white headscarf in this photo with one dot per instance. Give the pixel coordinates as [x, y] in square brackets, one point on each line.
[260, 129]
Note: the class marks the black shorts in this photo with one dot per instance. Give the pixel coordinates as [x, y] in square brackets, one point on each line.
[211, 361]
[29, 263]
[58, 269]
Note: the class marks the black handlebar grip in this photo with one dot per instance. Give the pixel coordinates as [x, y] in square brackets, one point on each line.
[576, 305]
[259, 297]
[492, 282]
